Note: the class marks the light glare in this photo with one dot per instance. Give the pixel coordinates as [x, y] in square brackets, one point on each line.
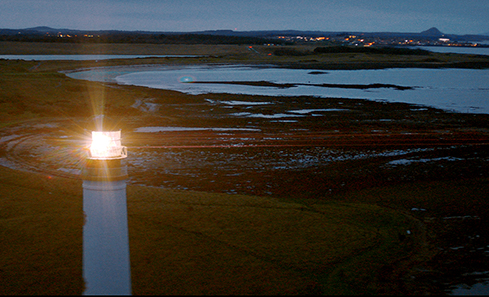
[106, 145]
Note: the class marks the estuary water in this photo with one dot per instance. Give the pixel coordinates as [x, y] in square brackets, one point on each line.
[459, 90]
[83, 57]
[456, 49]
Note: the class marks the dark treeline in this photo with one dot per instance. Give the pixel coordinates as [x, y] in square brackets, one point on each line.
[351, 49]
[370, 50]
[139, 38]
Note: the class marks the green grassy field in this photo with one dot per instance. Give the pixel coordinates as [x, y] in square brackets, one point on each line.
[363, 241]
[186, 242]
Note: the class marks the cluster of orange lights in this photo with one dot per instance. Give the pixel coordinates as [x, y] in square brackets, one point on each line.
[70, 36]
[306, 38]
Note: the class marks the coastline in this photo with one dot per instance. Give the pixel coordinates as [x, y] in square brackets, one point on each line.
[444, 175]
[236, 54]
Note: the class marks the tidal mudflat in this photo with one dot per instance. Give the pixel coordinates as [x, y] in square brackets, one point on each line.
[428, 165]
[319, 149]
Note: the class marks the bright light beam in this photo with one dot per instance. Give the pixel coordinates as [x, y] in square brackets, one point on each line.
[106, 145]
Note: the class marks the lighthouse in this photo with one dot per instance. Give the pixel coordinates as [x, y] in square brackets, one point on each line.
[106, 263]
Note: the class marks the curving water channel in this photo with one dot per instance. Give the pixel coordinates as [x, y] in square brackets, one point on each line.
[459, 90]
[77, 57]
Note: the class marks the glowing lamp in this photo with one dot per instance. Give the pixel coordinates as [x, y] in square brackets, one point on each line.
[106, 259]
[107, 145]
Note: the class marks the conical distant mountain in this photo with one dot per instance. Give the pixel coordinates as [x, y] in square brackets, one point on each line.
[432, 32]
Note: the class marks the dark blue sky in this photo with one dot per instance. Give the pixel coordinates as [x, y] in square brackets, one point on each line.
[449, 16]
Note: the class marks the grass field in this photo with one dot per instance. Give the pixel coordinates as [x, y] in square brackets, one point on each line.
[185, 242]
[364, 239]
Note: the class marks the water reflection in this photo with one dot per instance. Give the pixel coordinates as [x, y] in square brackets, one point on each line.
[476, 289]
[464, 241]
[460, 90]
[84, 57]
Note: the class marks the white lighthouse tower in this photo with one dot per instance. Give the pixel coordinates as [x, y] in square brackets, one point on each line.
[106, 264]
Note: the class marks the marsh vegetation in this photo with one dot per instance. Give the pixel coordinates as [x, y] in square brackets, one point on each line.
[387, 198]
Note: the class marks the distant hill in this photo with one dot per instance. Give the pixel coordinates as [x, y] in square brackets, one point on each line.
[432, 32]
[48, 34]
[44, 29]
